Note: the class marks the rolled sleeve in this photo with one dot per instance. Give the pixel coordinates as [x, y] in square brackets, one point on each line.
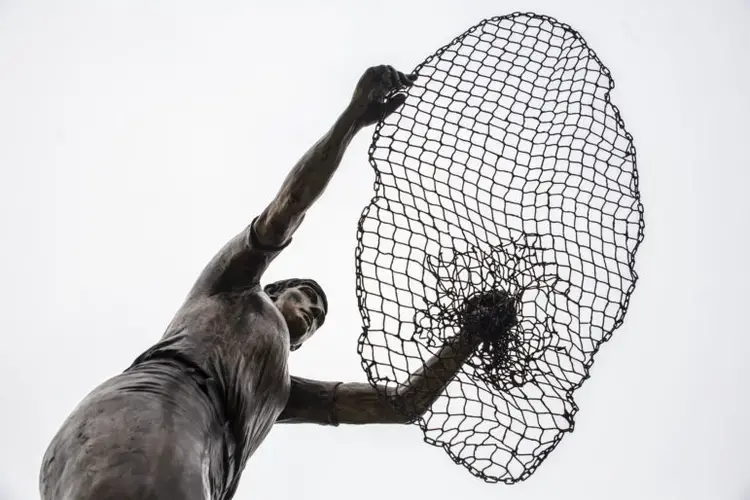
[311, 401]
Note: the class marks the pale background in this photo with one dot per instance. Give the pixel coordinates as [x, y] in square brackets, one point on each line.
[136, 137]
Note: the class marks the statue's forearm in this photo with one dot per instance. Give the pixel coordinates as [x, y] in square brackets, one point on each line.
[307, 180]
[357, 403]
[310, 176]
[428, 383]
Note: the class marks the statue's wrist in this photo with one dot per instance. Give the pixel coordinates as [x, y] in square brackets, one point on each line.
[468, 340]
[353, 114]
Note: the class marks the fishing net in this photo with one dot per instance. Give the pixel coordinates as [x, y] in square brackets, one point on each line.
[506, 205]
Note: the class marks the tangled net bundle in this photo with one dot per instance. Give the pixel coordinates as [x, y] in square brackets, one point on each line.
[506, 206]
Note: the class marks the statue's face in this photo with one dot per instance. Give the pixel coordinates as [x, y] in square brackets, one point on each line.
[303, 311]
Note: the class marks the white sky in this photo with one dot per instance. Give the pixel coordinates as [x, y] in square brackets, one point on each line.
[137, 137]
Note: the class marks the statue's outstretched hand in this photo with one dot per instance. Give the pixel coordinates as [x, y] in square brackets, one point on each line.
[488, 316]
[374, 96]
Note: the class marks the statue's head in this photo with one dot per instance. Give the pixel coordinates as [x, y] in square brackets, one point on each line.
[303, 304]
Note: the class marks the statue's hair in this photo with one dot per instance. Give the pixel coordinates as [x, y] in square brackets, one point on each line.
[274, 289]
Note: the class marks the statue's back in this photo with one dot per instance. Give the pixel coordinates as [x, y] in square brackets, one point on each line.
[140, 435]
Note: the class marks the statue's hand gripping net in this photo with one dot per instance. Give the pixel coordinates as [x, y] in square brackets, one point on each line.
[506, 206]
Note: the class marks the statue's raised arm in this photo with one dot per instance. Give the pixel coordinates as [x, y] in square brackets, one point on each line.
[244, 259]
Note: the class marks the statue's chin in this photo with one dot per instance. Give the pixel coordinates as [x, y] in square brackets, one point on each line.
[297, 329]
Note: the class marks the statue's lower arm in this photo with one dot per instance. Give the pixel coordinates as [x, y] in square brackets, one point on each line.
[485, 318]
[312, 173]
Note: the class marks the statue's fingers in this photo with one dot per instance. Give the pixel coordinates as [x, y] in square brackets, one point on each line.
[394, 80]
[404, 80]
[394, 103]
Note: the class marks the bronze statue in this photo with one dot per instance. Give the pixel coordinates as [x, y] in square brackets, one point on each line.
[182, 420]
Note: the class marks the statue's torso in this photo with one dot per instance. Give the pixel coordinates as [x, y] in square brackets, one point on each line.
[193, 407]
[242, 342]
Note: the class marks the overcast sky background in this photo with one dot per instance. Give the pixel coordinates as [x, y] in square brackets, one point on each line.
[137, 137]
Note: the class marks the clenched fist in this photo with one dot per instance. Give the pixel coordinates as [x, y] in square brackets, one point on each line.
[374, 96]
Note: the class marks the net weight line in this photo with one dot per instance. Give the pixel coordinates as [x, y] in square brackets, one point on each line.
[507, 181]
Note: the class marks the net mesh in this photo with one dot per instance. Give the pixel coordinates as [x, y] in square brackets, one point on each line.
[506, 201]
